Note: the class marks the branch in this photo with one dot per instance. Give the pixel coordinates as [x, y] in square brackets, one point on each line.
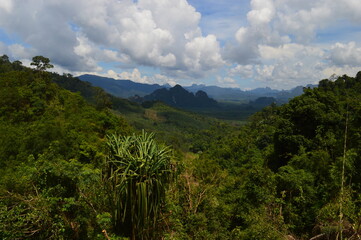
[106, 234]
[86, 200]
[320, 236]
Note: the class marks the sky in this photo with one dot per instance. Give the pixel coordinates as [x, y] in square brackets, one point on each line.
[229, 43]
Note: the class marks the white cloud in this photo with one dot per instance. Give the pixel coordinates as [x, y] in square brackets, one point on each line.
[77, 35]
[304, 19]
[289, 65]
[244, 71]
[112, 74]
[83, 48]
[112, 56]
[262, 12]
[16, 51]
[279, 22]
[203, 54]
[291, 52]
[245, 49]
[265, 72]
[303, 23]
[345, 54]
[162, 79]
[339, 71]
[274, 42]
[7, 5]
[3, 48]
[227, 82]
[351, 9]
[20, 52]
[134, 76]
[149, 32]
[277, 46]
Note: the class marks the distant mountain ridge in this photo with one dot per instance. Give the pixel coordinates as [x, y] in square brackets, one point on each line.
[121, 88]
[177, 96]
[236, 94]
[129, 89]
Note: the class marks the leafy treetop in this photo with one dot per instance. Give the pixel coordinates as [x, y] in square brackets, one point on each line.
[41, 63]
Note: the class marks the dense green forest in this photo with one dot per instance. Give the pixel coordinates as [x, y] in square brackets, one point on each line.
[78, 163]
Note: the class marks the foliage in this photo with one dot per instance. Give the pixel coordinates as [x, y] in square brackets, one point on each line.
[41, 63]
[51, 150]
[138, 171]
[65, 174]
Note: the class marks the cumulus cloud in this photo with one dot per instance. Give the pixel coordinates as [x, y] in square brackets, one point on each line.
[16, 51]
[227, 82]
[291, 52]
[45, 30]
[77, 35]
[339, 71]
[260, 30]
[20, 52]
[345, 54]
[136, 76]
[285, 66]
[291, 64]
[6, 5]
[203, 54]
[245, 49]
[3, 47]
[275, 41]
[244, 71]
[163, 79]
[262, 12]
[277, 45]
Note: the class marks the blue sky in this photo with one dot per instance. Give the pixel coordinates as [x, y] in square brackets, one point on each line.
[229, 43]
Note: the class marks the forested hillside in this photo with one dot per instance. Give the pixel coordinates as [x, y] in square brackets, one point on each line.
[87, 166]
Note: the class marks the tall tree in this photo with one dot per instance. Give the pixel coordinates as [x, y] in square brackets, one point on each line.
[41, 63]
[4, 59]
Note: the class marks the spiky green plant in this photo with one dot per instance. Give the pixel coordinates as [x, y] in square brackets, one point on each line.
[138, 172]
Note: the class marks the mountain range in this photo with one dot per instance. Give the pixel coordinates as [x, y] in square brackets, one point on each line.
[238, 95]
[127, 89]
[121, 88]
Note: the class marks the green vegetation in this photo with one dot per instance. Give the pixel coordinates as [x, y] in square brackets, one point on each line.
[138, 171]
[77, 164]
[41, 63]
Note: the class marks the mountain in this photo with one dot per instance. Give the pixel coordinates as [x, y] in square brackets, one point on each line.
[219, 93]
[263, 91]
[127, 89]
[121, 88]
[262, 102]
[163, 116]
[238, 95]
[177, 96]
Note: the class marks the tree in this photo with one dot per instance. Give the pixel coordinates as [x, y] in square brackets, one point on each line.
[17, 65]
[41, 63]
[4, 59]
[138, 171]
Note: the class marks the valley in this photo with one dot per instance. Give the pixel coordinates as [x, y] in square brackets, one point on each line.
[80, 163]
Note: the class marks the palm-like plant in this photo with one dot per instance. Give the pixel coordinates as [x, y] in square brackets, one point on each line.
[138, 172]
